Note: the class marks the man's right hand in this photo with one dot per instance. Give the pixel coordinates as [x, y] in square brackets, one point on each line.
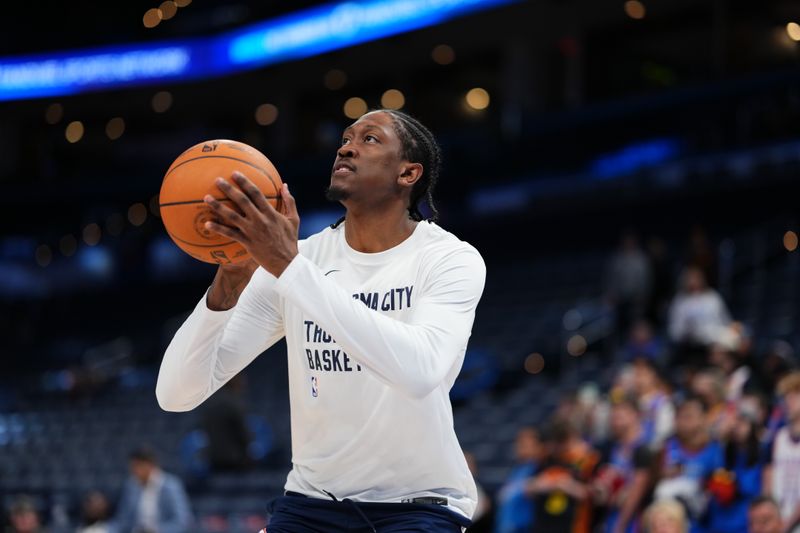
[229, 282]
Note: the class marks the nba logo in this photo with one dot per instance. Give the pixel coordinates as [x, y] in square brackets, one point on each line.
[314, 386]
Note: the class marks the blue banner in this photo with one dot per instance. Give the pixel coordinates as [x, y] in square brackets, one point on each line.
[302, 34]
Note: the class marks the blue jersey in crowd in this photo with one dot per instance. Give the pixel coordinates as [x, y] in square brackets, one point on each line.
[515, 513]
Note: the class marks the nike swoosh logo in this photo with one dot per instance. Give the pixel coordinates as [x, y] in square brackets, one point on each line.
[330, 271]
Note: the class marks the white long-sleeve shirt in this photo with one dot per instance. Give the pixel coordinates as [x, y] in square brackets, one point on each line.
[374, 342]
[699, 317]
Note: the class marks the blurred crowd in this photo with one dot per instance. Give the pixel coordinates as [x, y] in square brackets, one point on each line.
[698, 433]
[151, 501]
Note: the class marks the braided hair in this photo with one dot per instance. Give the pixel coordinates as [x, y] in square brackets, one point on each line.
[418, 146]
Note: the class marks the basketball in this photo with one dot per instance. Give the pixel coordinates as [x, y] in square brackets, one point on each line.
[191, 176]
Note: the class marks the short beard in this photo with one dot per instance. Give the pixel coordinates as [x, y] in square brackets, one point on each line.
[335, 194]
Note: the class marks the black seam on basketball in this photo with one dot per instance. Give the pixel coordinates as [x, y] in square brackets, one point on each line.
[168, 204]
[267, 174]
[200, 245]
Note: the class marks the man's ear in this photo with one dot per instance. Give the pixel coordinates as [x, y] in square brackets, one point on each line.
[410, 173]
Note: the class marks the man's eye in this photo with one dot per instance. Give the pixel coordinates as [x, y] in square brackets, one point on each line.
[345, 140]
[371, 138]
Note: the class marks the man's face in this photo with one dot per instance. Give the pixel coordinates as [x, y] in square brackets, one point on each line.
[792, 401]
[141, 470]
[369, 163]
[623, 417]
[764, 518]
[527, 446]
[690, 420]
[643, 378]
[25, 521]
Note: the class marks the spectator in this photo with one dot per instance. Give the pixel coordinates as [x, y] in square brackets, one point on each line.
[665, 516]
[783, 477]
[709, 385]
[225, 423]
[514, 508]
[724, 354]
[764, 516]
[23, 516]
[625, 478]
[95, 514]
[689, 459]
[561, 488]
[778, 361]
[738, 481]
[658, 413]
[591, 414]
[628, 282]
[152, 501]
[482, 519]
[642, 342]
[696, 317]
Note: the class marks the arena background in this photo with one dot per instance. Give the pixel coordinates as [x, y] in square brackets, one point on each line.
[565, 126]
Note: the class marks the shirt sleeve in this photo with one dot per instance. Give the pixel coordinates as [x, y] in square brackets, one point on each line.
[413, 356]
[213, 346]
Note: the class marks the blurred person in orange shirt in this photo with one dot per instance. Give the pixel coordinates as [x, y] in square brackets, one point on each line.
[561, 489]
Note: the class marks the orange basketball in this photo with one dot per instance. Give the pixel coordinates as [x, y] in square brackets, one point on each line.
[192, 176]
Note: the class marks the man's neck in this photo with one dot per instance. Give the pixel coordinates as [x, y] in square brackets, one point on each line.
[375, 231]
[695, 442]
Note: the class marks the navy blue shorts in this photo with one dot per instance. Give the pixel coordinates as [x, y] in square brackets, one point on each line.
[296, 513]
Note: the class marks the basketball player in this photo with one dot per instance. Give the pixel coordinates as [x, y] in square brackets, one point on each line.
[376, 310]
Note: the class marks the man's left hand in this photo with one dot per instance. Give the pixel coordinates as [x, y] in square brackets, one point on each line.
[269, 235]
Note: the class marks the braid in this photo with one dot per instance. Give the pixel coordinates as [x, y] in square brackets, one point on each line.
[419, 146]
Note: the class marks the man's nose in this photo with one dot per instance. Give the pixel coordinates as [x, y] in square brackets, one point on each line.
[346, 151]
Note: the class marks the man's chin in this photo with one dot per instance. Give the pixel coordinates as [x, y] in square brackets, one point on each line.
[336, 194]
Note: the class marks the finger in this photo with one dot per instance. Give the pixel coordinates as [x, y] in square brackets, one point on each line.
[249, 188]
[223, 212]
[235, 194]
[289, 206]
[227, 231]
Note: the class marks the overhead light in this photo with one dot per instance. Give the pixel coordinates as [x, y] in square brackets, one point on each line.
[168, 9]
[477, 98]
[335, 79]
[68, 245]
[151, 18]
[534, 363]
[443, 54]
[576, 346]
[393, 99]
[355, 107]
[115, 128]
[137, 214]
[44, 255]
[790, 241]
[793, 29]
[635, 9]
[266, 114]
[91, 234]
[182, 3]
[74, 131]
[162, 101]
[54, 113]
